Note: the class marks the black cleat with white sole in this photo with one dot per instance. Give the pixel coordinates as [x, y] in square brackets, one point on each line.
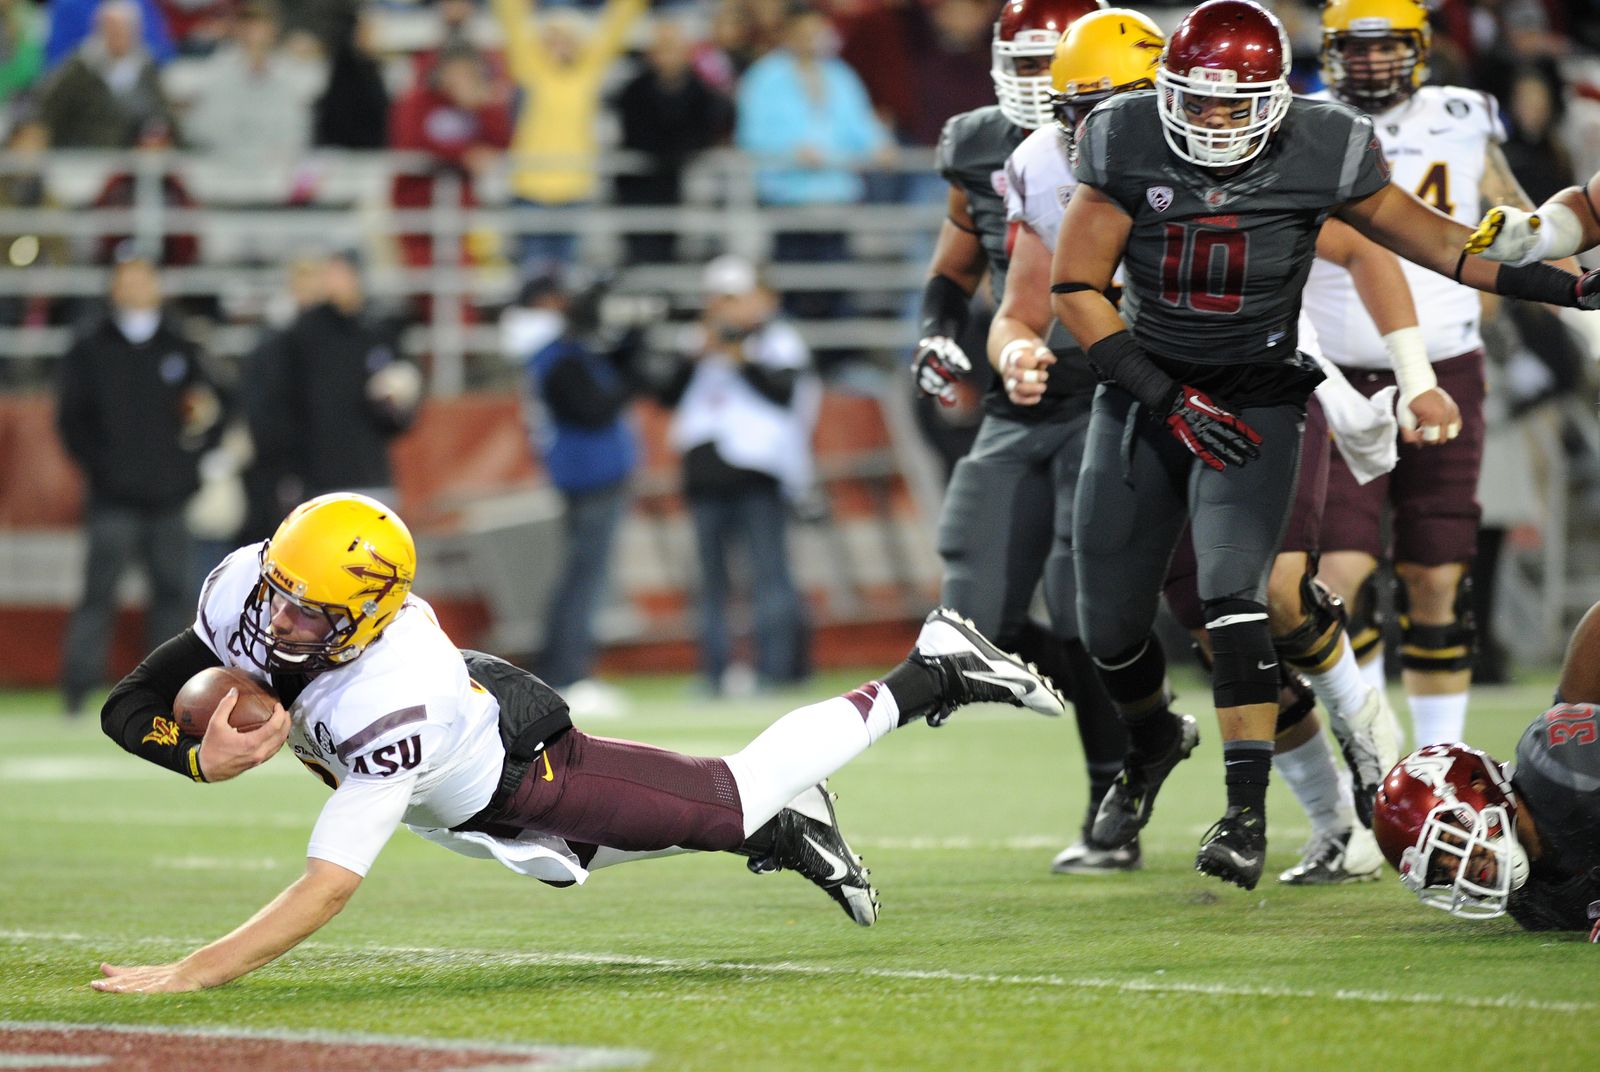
[1235, 848]
[971, 669]
[1126, 806]
[804, 837]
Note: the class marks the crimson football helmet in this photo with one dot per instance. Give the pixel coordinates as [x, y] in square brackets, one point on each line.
[1446, 819]
[1030, 29]
[1231, 49]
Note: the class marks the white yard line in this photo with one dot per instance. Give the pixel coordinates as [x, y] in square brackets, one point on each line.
[1153, 984]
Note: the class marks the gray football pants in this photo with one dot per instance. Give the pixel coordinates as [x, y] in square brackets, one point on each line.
[1007, 524]
[1138, 487]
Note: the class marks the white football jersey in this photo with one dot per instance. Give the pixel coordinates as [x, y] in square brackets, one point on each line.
[1039, 183]
[401, 733]
[1436, 143]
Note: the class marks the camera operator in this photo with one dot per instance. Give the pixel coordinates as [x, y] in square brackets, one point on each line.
[746, 405]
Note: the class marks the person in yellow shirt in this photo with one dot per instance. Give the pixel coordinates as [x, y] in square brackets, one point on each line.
[559, 70]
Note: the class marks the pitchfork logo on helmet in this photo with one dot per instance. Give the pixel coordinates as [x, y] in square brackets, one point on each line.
[1102, 54]
[343, 561]
[1375, 52]
[1025, 37]
[1223, 83]
[1446, 819]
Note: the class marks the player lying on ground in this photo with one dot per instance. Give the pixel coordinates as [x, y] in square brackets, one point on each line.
[481, 757]
[1479, 839]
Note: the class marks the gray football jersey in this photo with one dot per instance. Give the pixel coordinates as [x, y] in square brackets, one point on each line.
[1214, 265]
[972, 155]
[1558, 774]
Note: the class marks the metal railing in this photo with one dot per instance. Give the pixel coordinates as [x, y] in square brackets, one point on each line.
[245, 244]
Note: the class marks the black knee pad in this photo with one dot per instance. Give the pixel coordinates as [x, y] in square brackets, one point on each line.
[1439, 648]
[1244, 665]
[1365, 622]
[1314, 644]
[1296, 701]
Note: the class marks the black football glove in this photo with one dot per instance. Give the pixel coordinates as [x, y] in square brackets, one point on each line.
[939, 362]
[1589, 290]
[1210, 432]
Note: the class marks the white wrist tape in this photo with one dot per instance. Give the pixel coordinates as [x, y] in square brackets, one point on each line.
[1011, 351]
[1408, 353]
[1559, 235]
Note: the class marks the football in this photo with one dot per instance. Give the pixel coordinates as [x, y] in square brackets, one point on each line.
[198, 699]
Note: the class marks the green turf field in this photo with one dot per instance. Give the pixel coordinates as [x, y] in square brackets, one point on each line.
[982, 958]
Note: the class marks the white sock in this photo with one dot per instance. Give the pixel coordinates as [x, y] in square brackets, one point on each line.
[1341, 687]
[1372, 670]
[1313, 776]
[805, 746]
[1438, 719]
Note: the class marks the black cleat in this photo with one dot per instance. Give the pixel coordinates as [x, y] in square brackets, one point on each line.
[1235, 848]
[805, 838]
[1127, 804]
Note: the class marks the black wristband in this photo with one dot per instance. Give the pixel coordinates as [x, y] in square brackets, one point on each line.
[1119, 359]
[944, 307]
[1538, 282]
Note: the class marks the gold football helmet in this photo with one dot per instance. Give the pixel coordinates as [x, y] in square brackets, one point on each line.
[1375, 52]
[1102, 54]
[343, 560]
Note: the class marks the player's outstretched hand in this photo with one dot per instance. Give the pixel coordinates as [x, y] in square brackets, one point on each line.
[146, 979]
[938, 363]
[1430, 418]
[1210, 432]
[1506, 234]
[226, 752]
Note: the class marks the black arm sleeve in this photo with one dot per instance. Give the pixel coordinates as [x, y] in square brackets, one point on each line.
[1548, 905]
[576, 397]
[1538, 282]
[1119, 359]
[138, 713]
[775, 384]
[944, 307]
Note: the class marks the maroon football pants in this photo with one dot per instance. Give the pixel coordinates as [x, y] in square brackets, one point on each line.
[625, 795]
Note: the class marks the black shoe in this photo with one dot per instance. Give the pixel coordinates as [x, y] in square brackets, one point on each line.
[970, 669]
[1127, 804]
[804, 837]
[1235, 848]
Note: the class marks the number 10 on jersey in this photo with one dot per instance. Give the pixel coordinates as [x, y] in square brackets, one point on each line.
[1203, 269]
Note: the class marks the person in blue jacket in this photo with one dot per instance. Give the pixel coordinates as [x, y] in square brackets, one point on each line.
[578, 391]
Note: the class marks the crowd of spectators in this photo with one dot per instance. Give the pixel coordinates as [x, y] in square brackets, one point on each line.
[531, 92]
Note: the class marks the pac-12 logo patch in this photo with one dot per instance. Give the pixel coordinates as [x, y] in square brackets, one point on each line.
[1160, 197]
[997, 180]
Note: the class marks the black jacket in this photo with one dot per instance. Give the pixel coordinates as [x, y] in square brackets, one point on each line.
[120, 414]
[310, 413]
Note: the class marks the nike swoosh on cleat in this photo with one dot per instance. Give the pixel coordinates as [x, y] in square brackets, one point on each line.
[1013, 684]
[839, 869]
